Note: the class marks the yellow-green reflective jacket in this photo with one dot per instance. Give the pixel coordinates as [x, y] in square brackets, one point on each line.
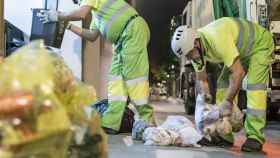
[228, 38]
[109, 16]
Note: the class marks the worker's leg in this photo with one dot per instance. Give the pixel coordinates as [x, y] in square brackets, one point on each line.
[136, 66]
[258, 76]
[222, 86]
[117, 96]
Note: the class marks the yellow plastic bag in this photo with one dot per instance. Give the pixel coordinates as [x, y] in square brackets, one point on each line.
[40, 102]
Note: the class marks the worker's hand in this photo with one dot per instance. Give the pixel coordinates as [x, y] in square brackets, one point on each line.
[226, 109]
[47, 16]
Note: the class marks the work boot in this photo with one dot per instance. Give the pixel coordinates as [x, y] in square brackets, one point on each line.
[221, 142]
[205, 142]
[251, 145]
[110, 131]
[215, 141]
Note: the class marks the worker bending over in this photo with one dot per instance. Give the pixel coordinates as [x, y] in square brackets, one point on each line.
[245, 49]
[120, 24]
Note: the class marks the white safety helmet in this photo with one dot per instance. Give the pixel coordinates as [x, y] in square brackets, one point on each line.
[183, 40]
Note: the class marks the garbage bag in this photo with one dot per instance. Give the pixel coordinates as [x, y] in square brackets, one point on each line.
[40, 103]
[101, 106]
[94, 143]
[176, 123]
[176, 130]
[160, 136]
[205, 114]
[209, 123]
[138, 129]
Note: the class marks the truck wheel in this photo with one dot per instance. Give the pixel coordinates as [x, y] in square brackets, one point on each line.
[272, 111]
[190, 100]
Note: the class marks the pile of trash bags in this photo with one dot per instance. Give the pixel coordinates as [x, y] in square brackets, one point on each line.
[42, 108]
[180, 131]
[176, 130]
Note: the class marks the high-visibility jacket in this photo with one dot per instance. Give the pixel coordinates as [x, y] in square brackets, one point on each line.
[228, 38]
[110, 17]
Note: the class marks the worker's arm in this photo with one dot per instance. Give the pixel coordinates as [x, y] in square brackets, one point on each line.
[84, 33]
[203, 81]
[237, 74]
[204, 85]
[76, 15]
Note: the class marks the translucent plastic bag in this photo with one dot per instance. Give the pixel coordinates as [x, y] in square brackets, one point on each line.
[159, 136]
[176, 123]
[41, 102]
[209, 123]
[176, 130]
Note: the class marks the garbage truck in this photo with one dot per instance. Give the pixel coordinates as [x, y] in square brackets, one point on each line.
[199, 13]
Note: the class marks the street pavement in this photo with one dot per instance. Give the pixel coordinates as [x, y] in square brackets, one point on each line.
[165, 107]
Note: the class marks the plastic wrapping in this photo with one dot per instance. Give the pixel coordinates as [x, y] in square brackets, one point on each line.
[176, 130]
[40, 104]
[209, 123]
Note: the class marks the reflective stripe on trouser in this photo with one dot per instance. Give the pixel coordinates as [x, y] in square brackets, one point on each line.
[258, 76]
[129, 75]
[138, 90]
[117, 97]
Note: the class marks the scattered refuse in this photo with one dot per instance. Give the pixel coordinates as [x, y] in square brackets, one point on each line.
[176, 130]
[138, 129]
[128, 141]
[209, 123]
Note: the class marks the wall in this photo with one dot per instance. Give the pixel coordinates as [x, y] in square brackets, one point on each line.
[22, 18]
[19, 13]
[105, 64]
[71, 47]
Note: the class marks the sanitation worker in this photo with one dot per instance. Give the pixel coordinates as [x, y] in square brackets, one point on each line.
[119, 23]
[245, 49]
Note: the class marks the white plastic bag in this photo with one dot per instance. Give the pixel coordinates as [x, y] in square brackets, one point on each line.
[205, 114]
[176, 123]
[189, 137]
[159, 136]
[176, 130]
[208, 122]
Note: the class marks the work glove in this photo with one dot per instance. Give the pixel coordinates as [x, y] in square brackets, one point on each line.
[226, 109]
[47, 16]
[138, 129]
